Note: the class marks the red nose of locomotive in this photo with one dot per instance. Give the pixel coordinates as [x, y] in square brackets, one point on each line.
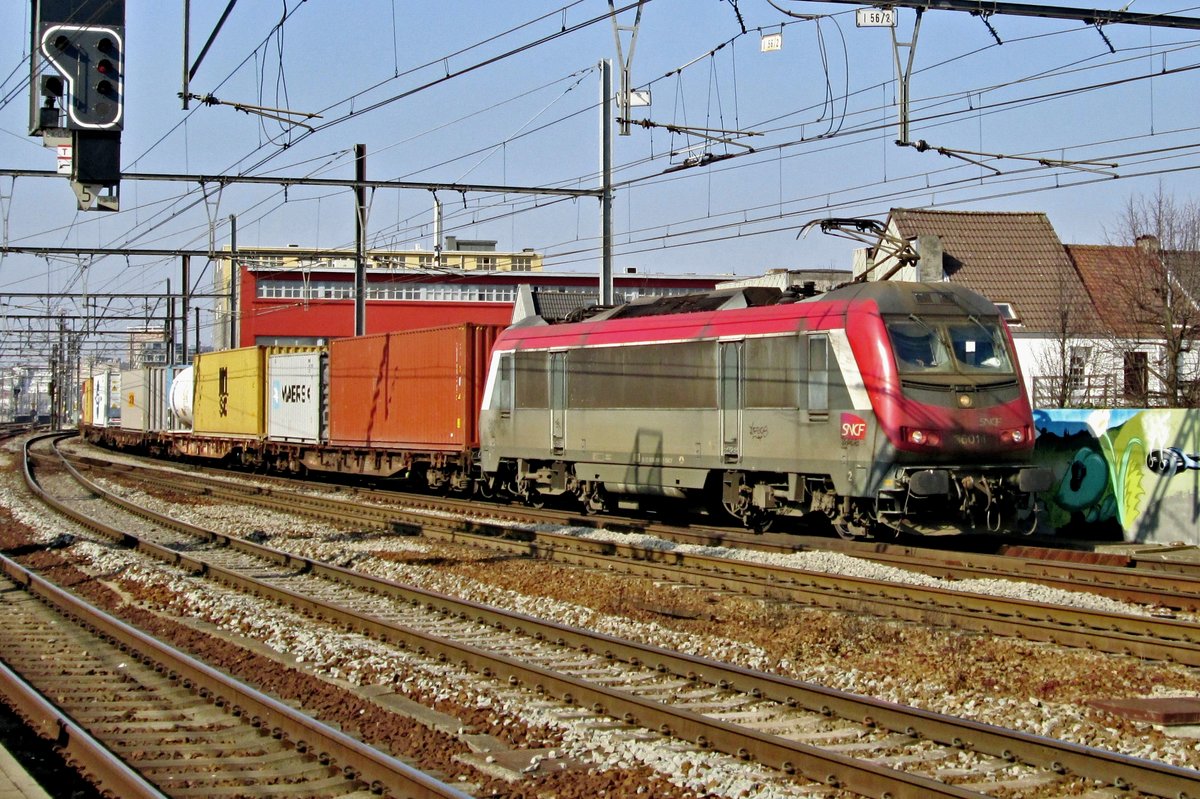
[950, 387]
[1000, 430]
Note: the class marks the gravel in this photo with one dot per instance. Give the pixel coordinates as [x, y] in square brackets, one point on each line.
[1038, 688]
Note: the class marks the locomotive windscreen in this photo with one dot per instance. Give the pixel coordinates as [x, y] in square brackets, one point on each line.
[949, 345]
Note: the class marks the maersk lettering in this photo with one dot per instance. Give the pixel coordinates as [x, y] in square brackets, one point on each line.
[297, 392]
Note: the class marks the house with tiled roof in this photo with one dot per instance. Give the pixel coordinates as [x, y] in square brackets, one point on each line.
[1067, 307]
[1013, 258]
[1146, 297]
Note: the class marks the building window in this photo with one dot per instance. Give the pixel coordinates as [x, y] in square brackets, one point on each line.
[425, 261]
[1077, 368]
[485, 262]
[280, 289]
[1137, 377]
[1008, 313]
[261, 262]
[522, 263]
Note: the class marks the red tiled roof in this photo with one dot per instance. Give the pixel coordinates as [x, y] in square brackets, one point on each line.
[1010, 257]
[1122, 282]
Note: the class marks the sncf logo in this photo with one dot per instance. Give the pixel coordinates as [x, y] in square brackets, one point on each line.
[854, 428]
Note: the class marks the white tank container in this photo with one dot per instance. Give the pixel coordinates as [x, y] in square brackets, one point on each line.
[181, 397]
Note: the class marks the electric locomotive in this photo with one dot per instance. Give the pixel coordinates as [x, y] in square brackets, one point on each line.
[884, 406]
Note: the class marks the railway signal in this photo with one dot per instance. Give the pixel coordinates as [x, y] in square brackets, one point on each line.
[77, 84]
[89, 61]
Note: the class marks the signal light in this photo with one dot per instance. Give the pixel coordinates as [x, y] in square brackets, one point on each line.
[52, 86]
[105, 68]
[89, 59]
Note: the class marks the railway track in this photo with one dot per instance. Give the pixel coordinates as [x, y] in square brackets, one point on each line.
[143, 720]
[644, 691]
[1151, 577]
[1157, 636]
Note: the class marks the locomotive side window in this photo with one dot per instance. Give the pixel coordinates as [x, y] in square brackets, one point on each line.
[818, 373]
[678, 375]
[979, 347]
[503, 398]
[918, 346]
[772, 372]
[532, 387]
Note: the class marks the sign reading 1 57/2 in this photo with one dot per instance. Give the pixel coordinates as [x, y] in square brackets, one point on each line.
[875, 17]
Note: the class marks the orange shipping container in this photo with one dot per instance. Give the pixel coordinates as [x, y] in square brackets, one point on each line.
[412, 389]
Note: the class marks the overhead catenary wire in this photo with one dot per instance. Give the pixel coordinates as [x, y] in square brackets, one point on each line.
[931, 118]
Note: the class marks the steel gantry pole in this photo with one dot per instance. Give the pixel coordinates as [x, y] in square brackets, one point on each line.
[606, 222]
[360, 240]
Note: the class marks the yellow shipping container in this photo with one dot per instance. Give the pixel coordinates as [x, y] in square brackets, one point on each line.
[86, 400]
[229, 396]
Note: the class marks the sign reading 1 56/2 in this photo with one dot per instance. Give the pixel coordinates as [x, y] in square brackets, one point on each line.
[875, 17]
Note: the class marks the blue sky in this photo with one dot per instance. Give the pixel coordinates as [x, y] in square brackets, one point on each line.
[824, 105]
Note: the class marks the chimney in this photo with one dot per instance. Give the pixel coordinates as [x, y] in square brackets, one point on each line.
[929, 266]
[1147, 242]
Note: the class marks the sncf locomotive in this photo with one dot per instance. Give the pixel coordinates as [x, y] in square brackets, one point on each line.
[881, 406]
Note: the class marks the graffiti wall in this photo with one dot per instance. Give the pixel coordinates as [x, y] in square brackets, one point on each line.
[1122, 473]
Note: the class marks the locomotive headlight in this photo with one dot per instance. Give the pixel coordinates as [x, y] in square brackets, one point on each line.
[1014, 436]
[926, 438]
[965, 401]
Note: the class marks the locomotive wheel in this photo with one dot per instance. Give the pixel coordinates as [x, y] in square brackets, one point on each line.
[751, 518]
[848, 530]
[484, 488]
[760, 522]
[595, 501]
[739, 511]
